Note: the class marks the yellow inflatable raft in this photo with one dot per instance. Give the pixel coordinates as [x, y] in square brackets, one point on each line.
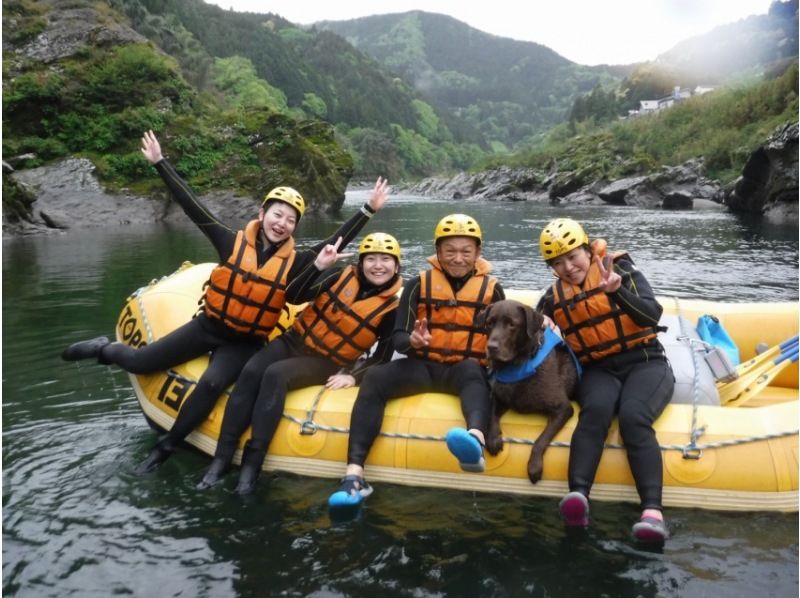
[741, 455]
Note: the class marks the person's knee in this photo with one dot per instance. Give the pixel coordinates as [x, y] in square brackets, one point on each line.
[469, 368]
[634, 422]
[597, 410]
[211, 385]
[372, 386]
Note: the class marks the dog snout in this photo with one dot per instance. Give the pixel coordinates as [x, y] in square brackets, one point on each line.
[492, 346]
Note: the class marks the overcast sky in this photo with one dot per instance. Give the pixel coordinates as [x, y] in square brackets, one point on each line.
[584, 31]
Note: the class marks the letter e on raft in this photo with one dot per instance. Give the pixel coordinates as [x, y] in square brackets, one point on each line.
[174, 391]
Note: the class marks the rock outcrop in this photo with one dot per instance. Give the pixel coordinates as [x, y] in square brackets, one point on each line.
[768, 185]
[68, 195]
[69, 31]
[673, 187]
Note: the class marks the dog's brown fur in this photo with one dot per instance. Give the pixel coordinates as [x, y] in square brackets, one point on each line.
[514, 334]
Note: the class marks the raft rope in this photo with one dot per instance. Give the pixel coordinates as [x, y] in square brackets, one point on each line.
[309, 423]
[691, 450]
[309, 427]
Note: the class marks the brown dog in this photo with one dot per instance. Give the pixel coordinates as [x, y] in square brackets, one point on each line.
[514, 335]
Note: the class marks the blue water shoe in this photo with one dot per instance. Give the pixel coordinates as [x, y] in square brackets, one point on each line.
[351, 493]
[467, 449]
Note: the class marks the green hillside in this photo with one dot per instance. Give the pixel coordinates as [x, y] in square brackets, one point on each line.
[511, 91]
[78, 82]
[386, 126]
[723, 127]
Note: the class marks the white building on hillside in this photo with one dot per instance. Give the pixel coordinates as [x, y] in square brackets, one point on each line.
[677, 95]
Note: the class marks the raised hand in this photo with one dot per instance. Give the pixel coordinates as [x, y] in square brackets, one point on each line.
[329, 255]
[151, 148]
[340, 381]
[610, 281]
[420, 336]
[380, 194]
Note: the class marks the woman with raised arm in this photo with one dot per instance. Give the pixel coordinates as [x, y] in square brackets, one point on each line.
[242, 301]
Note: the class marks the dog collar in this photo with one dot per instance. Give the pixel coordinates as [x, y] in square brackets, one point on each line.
[510, 374]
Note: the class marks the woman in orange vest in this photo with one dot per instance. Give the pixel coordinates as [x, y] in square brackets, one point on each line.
[242, 302]
[354, 309]
[608, 314]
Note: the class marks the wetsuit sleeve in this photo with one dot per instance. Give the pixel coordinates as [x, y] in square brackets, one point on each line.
[383, 351]
[635, 296]
[406, 316]
[304, 259]
[310, 283]
[545, 304]
[220, 235]
[499, 294]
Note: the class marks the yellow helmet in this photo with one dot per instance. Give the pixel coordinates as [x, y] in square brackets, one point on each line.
[288, 196]
[561, 236]
[457, 225]
[380, 243]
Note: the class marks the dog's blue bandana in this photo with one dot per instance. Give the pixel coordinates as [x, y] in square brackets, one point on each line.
[510, 374]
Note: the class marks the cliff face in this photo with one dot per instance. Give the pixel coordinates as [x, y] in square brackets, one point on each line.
[768, 184]
[80, 87]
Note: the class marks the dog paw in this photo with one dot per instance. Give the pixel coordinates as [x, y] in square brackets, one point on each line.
[494, 445]
[535, 468]
[534, 475]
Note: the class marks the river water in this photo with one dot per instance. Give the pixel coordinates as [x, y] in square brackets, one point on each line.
[77, 521]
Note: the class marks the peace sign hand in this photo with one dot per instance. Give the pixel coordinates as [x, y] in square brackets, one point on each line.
[420, 336]
[610, 281]
[329, 255]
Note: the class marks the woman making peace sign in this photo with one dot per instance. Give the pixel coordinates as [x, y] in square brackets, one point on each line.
[609, 316]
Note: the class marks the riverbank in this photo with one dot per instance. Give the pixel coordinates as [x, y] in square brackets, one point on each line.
[67, 194]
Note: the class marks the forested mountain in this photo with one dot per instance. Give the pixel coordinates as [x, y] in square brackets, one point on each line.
[385, 124]
[511, 91]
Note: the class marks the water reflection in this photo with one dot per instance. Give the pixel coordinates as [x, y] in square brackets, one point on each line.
[77, 521]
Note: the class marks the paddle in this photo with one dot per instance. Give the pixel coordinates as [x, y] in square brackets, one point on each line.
[753, 369]
[770, 353]
[762, 381]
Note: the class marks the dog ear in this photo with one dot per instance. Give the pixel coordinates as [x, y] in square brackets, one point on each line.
[482, 316]
[533, 320]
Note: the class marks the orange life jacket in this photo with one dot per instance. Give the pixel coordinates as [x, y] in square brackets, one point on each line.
[451, 316]
[590, 322]
[338, 326]
[243, 296]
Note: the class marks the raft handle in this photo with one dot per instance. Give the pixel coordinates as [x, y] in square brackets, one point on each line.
[690, 451]
[308, 428]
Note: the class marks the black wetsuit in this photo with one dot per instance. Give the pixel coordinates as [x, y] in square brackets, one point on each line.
[405, 377]
[287, 364]
[229, 349]
[635, 385]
